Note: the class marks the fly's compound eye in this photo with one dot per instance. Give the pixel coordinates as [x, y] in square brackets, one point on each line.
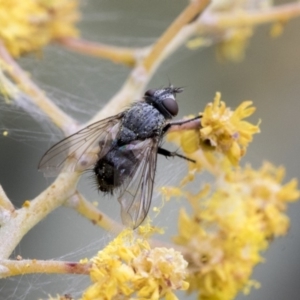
[171, 106]
[150, 93]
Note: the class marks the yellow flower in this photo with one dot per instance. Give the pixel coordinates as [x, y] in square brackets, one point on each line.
[230, 226]
[129, 268]
[27, 26]
[225, 129]
[223, 133]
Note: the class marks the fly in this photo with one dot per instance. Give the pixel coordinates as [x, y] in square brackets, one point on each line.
[122, 151]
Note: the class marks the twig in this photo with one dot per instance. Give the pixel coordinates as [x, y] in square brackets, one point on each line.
[126, 56]
[221, 21]
[210, 22]
[32, 266]
[37, 96]
[28, 216]
[142, 73]
[88, 210]
[191, 11]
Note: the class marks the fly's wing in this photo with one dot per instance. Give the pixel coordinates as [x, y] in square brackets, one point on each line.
[136, 195]
[82, 149]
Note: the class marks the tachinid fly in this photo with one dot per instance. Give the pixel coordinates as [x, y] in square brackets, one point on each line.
[122, 150]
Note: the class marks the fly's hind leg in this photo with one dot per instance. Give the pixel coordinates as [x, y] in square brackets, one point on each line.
[168, 153]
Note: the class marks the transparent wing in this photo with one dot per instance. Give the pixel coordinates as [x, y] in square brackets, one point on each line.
[135, 197]
[82, 149]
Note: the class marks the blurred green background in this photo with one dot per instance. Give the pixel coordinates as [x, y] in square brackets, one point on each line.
[81, 85]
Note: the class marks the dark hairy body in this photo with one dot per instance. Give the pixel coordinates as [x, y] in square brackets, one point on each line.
[141, 121]
[122, 151]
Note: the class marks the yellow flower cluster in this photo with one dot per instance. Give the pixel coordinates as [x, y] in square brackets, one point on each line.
[225, 129]
[231, 226]
[223, 132]
[129, 269]
[27, 26]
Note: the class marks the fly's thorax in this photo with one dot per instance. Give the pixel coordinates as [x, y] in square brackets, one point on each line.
[141, 121]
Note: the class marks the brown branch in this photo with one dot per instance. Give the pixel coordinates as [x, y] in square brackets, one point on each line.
[126, 56]
[142, 73]
[28, 216]
[32, 266]
[218, 21]
[92, 213]
[37, 96]
[129, 56]
[192, 10]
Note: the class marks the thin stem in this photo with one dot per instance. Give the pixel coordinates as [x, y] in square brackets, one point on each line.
[191, 11]
[142, 73]
[28, 216]
[126, 56]
[218, 21]
[32, 266]
[129, 56]
[91, 212]
[37, 96]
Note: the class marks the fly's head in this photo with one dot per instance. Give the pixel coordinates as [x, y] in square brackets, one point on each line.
[164, 100]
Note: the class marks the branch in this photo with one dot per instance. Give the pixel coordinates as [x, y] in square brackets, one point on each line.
[126, 56]
[36, 95]
[28, 216]
[32, 266]
[142, 73]
[222, 21]
[88, 210]
[191, 11]
[210, 22]
[129, 56]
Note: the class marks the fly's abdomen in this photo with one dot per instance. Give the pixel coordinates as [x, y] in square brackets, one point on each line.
[114, 169]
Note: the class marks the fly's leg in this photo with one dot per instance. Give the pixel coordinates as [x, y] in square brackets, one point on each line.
[179, 123]
[168, 153]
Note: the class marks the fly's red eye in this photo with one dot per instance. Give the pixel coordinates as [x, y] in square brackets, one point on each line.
[150, 93]
[171, 106]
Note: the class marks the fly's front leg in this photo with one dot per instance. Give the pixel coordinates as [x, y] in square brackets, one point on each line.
[168, 153]
[181, 123]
